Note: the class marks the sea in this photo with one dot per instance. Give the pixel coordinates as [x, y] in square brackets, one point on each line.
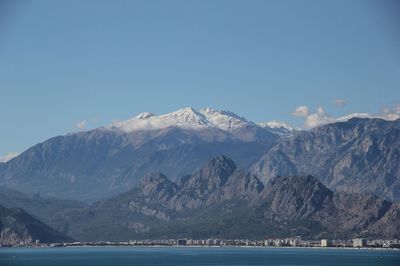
[192, 256]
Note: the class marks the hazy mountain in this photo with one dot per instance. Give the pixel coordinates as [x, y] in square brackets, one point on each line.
[51, 211]
[220, 200]
[359, 155]
[17, 226]
[107, 161]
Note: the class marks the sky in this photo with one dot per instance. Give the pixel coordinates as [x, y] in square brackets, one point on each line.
[76, 65]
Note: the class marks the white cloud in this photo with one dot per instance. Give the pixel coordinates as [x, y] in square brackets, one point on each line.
[340, 102]
[81, 124]
[301, 111]
[321, 117]
[391, 113]
[318, 119]
[8, 156]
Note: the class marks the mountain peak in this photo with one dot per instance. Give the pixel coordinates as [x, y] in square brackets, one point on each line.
[211, 111]
[157, 183]
[296, 186]
[144, 115]
[215, 173]
[297, 197]
[222, 160]
[186, 117]
[154, 178]
[225, 120]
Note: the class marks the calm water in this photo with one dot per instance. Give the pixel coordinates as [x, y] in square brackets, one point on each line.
[195, 256]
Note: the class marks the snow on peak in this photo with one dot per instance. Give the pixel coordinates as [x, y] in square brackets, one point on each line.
[277, 124]
[224, 120]
[279, 128]
[185, 118]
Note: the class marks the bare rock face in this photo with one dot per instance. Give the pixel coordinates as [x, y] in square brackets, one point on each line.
[359, 155]
[217, 181]
[158, 187]
[205, 186]
[296, 197]
[389, 223]
[211, 177]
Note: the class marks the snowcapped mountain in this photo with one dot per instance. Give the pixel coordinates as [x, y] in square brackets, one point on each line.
[203, 119]
[184, 118]
[208, 120]
[225, 120]
[106, 161]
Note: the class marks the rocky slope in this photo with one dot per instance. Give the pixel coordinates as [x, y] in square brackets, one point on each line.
[359, 155]
[17, 226]
[220, 200]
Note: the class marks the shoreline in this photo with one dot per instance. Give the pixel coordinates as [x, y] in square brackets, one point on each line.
[198, 247]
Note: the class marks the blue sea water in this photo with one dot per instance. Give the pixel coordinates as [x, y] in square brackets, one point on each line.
[169, 256]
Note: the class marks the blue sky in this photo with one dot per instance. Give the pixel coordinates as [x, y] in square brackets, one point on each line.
[62, 62]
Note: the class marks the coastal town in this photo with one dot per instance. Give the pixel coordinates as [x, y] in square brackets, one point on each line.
[276, 242]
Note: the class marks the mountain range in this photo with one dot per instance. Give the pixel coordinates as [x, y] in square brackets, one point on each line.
[221, 201]
[154, 177]
[109, 160]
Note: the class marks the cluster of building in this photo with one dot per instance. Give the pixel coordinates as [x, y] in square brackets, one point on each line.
[276, 242]
[361, 243]
[293, 242]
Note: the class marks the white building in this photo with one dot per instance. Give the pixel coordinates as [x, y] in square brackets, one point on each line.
[326, 243]
[359, 242]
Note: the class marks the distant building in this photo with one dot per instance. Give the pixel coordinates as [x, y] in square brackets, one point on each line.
[181, 242]
[216, 242]
[268, 242]
[213, 242]
[295, 242]
[359, 242]
[326, 243]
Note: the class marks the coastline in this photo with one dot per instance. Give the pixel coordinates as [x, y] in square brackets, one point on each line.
[198, 247]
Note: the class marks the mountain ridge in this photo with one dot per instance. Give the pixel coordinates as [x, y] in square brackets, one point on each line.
[222, 201]
[194, 119]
